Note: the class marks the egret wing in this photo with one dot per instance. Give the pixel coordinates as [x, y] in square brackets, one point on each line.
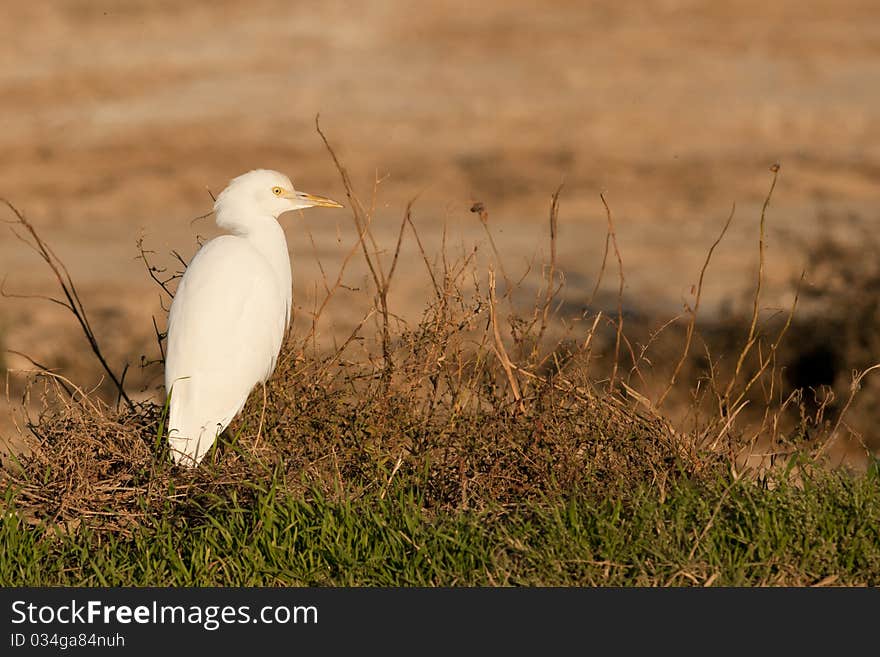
[225, 329]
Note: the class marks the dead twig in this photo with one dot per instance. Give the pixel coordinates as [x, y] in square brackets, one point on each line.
[500, 351]
[752, 335]
[362, 222]
[622, 281]
[693, 311]
[552, 290]
[68, 288]
[480, 209]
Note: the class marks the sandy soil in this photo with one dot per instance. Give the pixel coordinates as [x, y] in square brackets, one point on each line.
[116, 117]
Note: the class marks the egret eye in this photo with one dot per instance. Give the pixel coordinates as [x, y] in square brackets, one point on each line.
[277, 191]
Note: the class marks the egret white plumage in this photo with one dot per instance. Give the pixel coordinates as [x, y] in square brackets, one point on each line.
[230, 311]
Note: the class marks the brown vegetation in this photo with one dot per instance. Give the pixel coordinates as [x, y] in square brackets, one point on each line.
[485, 400]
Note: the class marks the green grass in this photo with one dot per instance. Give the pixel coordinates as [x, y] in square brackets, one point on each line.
[733, 534]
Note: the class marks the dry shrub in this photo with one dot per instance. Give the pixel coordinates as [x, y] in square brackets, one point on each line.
[482, 402]
[456, 439]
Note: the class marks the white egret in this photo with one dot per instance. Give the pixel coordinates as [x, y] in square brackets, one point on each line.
[230, 311]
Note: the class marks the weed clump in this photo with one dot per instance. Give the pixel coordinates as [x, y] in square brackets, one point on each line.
[481, 404]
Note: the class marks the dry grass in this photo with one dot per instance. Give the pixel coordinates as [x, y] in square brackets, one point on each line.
[480, 403]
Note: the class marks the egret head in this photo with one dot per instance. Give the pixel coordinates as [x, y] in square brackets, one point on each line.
[262, 193]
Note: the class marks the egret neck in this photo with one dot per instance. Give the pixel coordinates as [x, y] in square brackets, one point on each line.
[265, 234]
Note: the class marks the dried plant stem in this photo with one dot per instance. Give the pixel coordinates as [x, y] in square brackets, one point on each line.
[552, 289]
[424, 255]
[362, 222]
[854, 387]
[500, 351]
[45, 369]
[752, 336]
[601, 273]
[481, 211]
[394, 470]
[693, 311]
[622, 281]
[153, 270]
[68, 288]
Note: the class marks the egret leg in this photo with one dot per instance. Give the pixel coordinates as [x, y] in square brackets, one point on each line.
[262, 415]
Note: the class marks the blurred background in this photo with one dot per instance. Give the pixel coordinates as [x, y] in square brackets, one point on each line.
[118, 117]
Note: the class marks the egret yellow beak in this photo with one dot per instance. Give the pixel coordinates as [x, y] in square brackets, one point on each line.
[310, 200]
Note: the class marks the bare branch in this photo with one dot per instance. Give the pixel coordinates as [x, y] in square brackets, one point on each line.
[694, 310]
[74, 304]
[619, 291]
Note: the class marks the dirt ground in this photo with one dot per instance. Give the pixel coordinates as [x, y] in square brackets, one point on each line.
[117, 117]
